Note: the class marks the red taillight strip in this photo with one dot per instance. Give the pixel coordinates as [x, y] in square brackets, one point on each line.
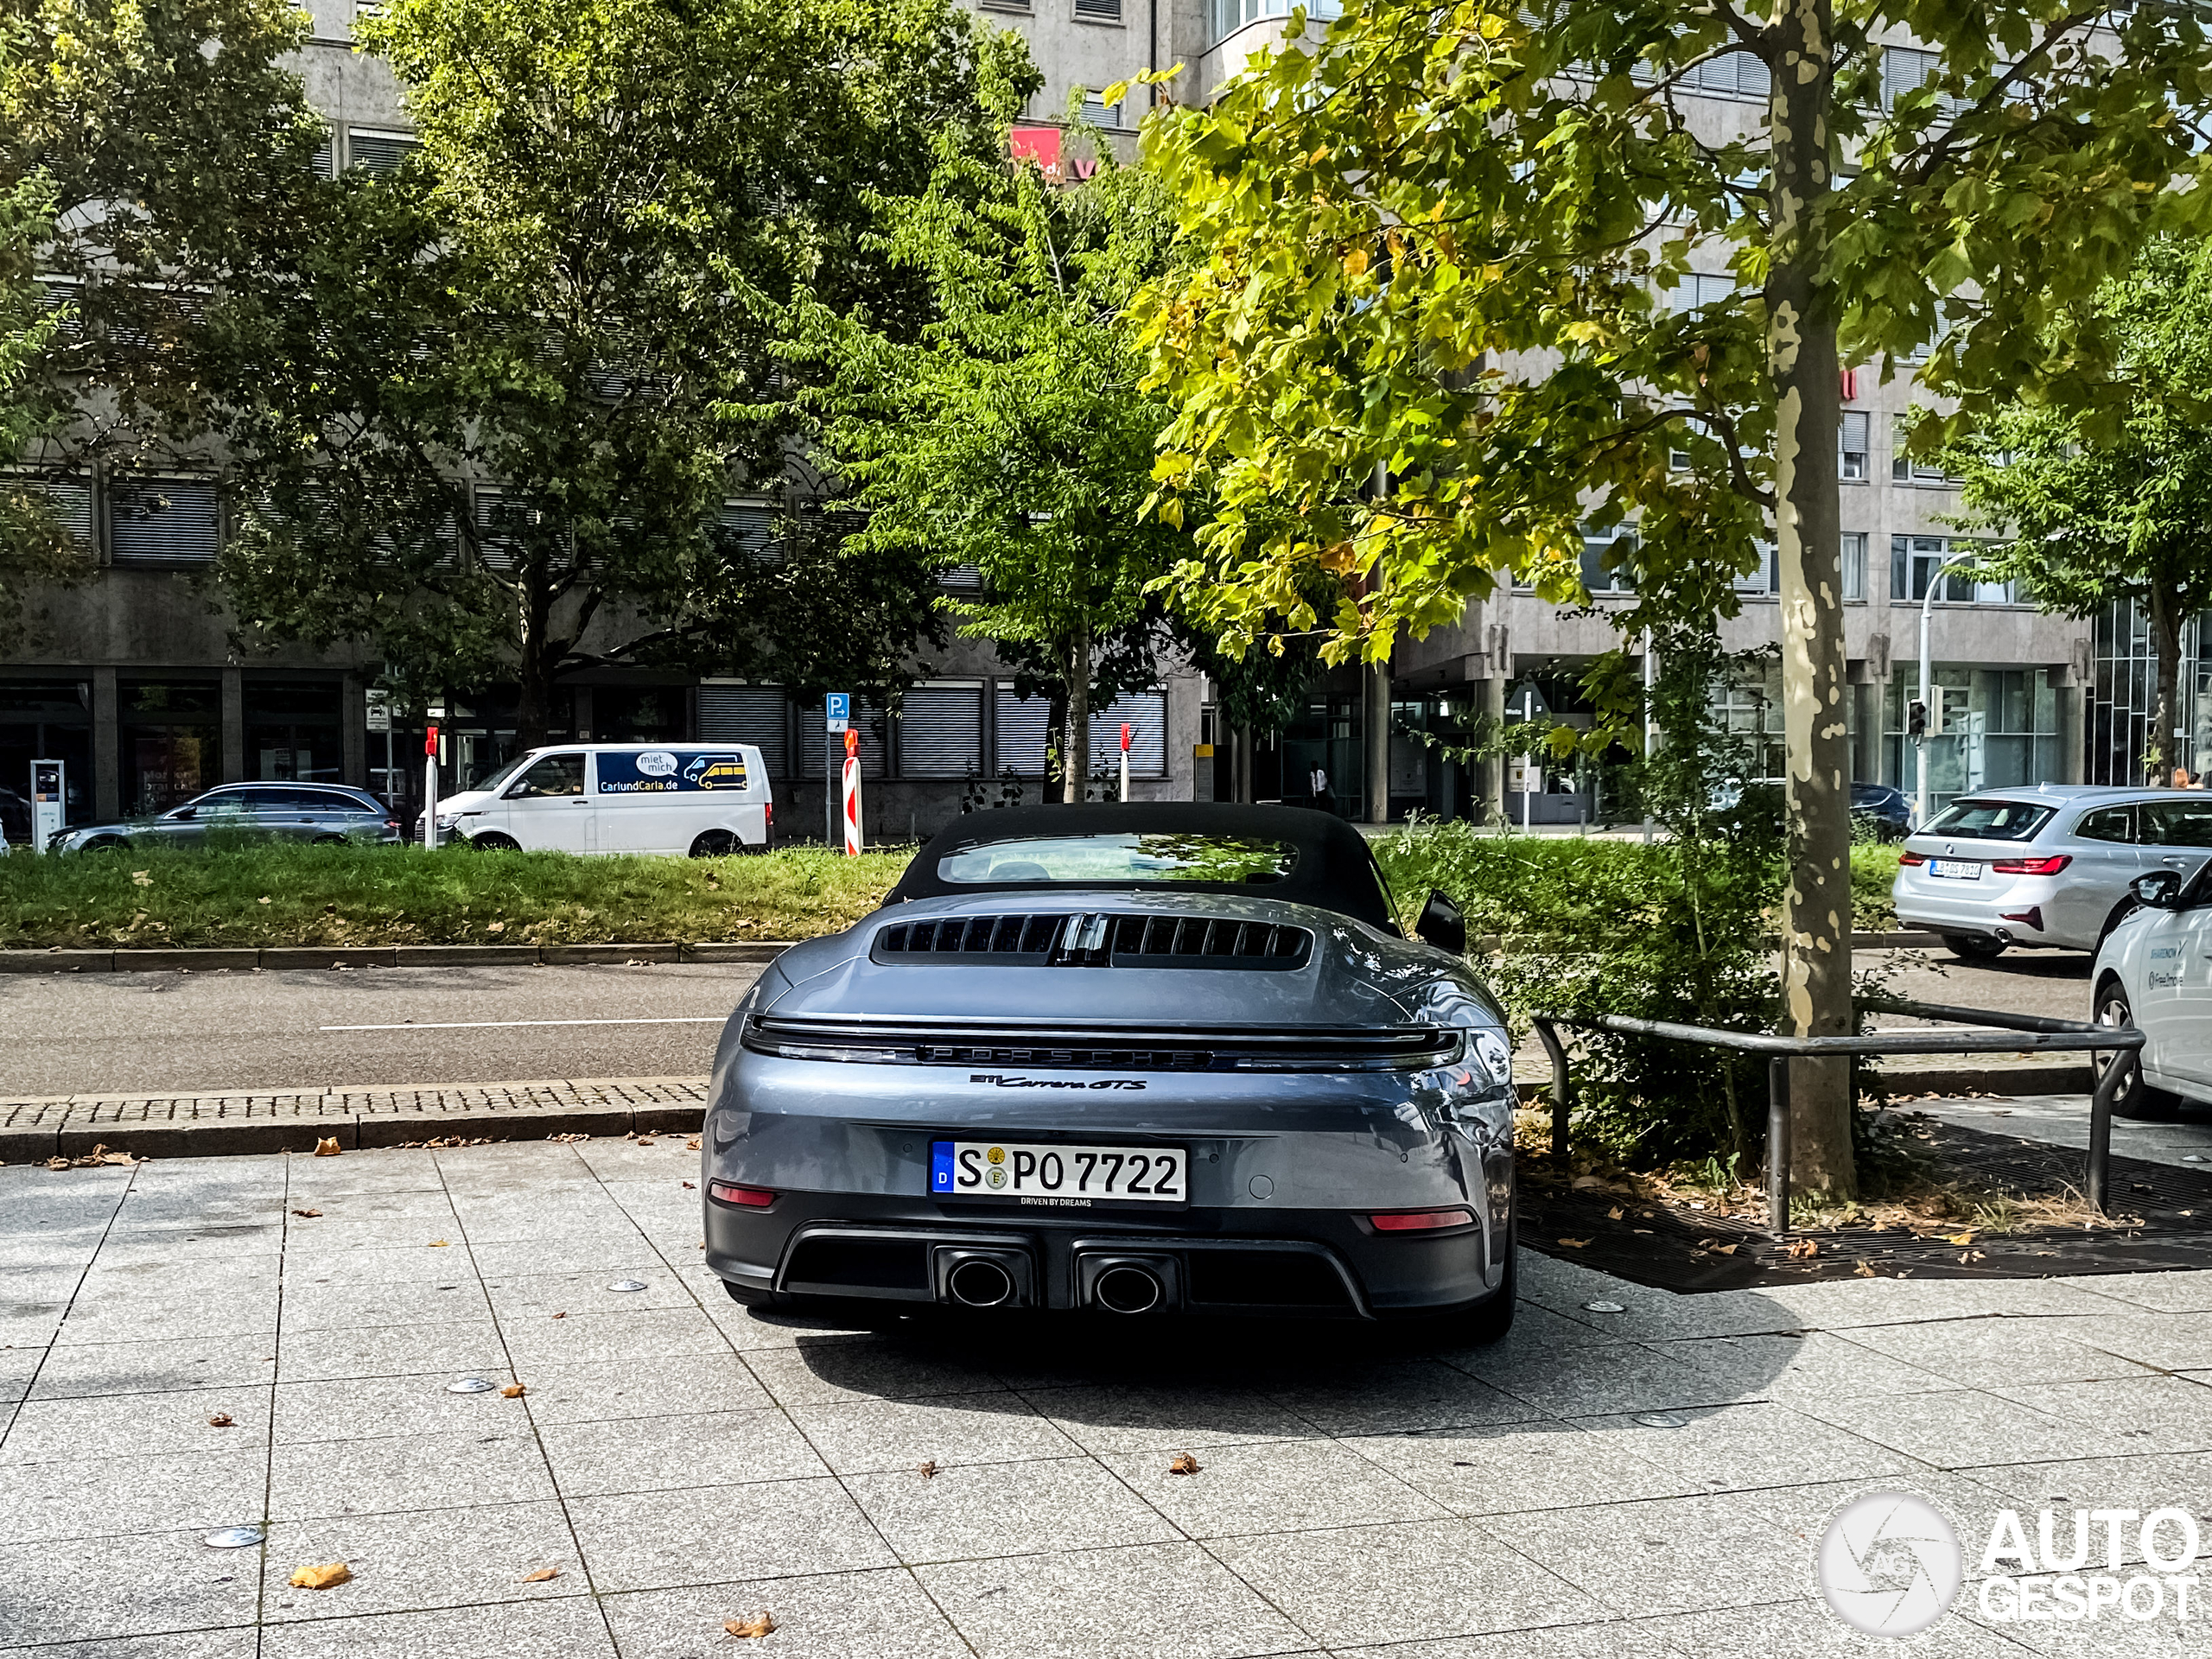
[752, 1197]
[1422, 1221]
[1912, 858]
[2050, 866]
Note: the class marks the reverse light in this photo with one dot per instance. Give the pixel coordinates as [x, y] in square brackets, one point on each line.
[752, 1197]
[1912, 858]
[2050, 866]
[1422, 1221]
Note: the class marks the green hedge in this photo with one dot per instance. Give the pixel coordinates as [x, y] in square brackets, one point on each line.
[277, 894]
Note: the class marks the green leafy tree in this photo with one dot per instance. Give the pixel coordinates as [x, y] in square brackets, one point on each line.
[1451, 240]
[2115, 502]
[34, 547]
[1009, 432]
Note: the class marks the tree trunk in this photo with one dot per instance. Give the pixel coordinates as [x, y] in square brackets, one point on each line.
[1801, 357]
[2160, 754]
[534, 693]
[1078, 767]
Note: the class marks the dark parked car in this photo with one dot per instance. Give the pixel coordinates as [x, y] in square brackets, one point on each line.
[1129, 1059]
[322, 812]
[1886, 811]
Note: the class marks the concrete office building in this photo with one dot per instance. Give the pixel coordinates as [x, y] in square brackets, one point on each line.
[132, 679]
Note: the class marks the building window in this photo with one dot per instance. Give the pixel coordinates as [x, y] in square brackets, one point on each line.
[1227, 16]
[941, 731]
[1851, 437]
[1917, 561]
[170, 736]
[1699, 287]
[1905, 470]
[292, 731]
[44, 720]
[1988, 729]
[324, 164]
[748, 533]
[380, 152]
[1098, 11]
[1766, 577]
[639, 714]
[1608, 560]
[1855, 564]
[824, 747]
[1145, 713]
[1097, 114]
[164, 522]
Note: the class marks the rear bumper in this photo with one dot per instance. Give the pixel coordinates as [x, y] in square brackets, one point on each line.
[1320, 1263]
[2018, 908]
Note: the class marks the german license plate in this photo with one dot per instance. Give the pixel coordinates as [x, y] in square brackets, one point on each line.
[1057, 1176]
[1959, 870]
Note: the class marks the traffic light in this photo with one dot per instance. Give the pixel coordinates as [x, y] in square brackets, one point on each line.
[1916, 718]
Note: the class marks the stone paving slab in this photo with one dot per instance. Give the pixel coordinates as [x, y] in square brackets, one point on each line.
[188, 1125]
[1647, 1482]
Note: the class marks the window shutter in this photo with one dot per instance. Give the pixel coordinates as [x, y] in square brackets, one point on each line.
[962, 579]
[1099, 11]
[941, 732]
[1093, 107]
[758, 715]
[1852, 435]
[380, 152]
[1021, 734]
[750, 528]
[324, 164]
[166, 522]
[70, 501]
[1146, 712]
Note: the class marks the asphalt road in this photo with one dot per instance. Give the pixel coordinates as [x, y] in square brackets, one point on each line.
[2054, 983]
[218, 1033]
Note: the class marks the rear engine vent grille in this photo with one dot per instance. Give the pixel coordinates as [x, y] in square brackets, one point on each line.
[1188, 1048]
[1097, 941]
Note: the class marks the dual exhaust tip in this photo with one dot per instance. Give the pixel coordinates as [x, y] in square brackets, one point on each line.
[992, 1278]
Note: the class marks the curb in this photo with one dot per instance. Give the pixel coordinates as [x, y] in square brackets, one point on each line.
[271, 957]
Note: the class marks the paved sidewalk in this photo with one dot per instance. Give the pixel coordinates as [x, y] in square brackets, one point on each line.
[1646, 1482]
[189, 1126]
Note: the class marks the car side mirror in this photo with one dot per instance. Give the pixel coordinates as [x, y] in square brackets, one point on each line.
[1442, 925]
[2157, 890]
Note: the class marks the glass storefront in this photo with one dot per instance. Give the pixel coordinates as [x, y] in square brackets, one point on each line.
[293, 733]
[44, 720]
[1995, 726]
[2126, 689]
[171, 741]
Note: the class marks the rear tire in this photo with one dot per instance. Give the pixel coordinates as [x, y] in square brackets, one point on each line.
[2137, 1100]
[492, 842]
[327, 841]
[106, 844]
[715, 843]
[1974, 947]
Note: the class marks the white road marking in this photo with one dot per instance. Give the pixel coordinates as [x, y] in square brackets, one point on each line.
[491, 1024]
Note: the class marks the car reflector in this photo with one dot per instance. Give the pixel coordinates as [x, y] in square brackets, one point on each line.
[2031, 916]
[752, 1197]
[1422, 1221]
[2050, 866]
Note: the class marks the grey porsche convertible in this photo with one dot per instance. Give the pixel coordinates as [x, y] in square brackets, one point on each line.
[1139, 1060]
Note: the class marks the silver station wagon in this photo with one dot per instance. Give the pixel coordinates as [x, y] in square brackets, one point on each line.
[2044, 866]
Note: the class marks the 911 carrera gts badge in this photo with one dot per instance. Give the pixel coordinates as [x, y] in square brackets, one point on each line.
[1004, 1082]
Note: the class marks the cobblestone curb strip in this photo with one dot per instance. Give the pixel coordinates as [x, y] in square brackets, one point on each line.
[201, 1126]
[58, 961]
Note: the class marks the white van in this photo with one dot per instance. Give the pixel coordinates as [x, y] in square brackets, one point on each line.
[700, 798]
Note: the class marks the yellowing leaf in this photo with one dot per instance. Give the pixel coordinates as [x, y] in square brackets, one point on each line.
[326, 1576]
[514, 1391]
[438, 1244]
[1356, 261]
[1966, 1237]
[1114, 94]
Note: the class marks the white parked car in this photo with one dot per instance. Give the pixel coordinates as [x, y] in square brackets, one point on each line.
[705, 799]
[2154, 972]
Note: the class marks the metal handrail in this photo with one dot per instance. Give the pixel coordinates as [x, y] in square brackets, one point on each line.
[2012, 1034]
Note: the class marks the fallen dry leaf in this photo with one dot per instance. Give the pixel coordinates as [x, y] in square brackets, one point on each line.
[514, 1391]
[310, 1214]
[543, 1575]
[327, 1146]
[926, 1469]
[141, 878]
[1802, 1248]
[440, 1244]
[1724, 1250]
[565, 1139]
[330, 1573]
[645, 1141]
[560, 1316]
[1615, 1213]
[691, 1187]
[692, 1144]
[1185, 1464]
[758, 1625]
[1966, 1237]
[1575, 1243]
[220, 1420]
[1584, 1183]
[263, 899]
[1863, 1269]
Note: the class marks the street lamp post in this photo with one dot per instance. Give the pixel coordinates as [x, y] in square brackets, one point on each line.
[1927, 707]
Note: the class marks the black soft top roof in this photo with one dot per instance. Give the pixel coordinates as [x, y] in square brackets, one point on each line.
[1334, 870]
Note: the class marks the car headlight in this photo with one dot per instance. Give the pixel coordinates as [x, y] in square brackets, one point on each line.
[1495, 1056]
